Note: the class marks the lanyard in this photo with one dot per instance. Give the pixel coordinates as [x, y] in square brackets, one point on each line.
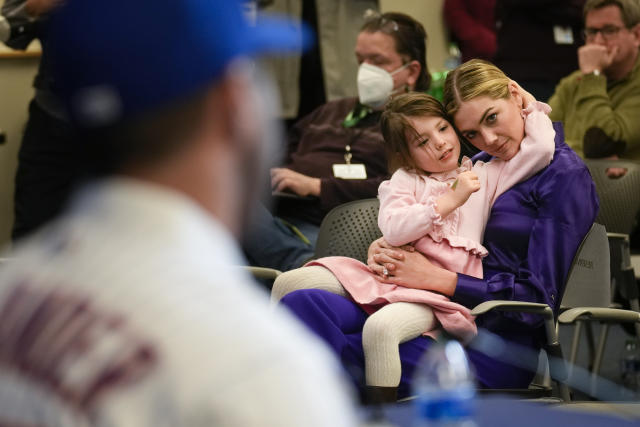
[352, 119]
[355, 115]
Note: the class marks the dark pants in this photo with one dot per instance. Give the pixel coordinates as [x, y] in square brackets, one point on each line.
[48, 170]
[270, 243]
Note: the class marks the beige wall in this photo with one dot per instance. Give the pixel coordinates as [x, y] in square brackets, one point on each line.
[16, 77]
[429, 13]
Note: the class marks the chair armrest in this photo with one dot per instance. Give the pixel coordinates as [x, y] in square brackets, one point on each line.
[600, 314]
[527, 307]
[505, 305]
[635, 263]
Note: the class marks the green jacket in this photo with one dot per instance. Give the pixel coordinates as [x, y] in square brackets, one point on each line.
[584, 101]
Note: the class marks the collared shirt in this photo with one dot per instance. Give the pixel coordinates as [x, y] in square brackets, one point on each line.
[129, 310]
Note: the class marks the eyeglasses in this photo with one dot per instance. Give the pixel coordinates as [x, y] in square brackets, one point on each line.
[608, 32]
[375, 19]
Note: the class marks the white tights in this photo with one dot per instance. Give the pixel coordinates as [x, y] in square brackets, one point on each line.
[383, 331]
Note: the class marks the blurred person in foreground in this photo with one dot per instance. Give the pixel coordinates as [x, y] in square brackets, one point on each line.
[336, 153]
[599, 103]
[128, 310]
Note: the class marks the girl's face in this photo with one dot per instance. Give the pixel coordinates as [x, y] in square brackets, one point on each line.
[493, 125]
[436, 148]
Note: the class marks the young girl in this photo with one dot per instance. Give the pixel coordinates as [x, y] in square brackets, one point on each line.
[439, 207]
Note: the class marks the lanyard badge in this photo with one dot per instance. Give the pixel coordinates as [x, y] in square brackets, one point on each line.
[350, 170]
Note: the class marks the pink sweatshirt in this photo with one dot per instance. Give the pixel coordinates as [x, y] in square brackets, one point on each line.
[408, 215]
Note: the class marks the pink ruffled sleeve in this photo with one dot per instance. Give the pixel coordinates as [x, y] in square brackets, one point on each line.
[404, 219]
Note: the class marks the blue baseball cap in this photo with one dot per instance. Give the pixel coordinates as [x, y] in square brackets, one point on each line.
[117, 59]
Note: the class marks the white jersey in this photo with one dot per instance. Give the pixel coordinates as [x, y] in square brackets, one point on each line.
[129, 311]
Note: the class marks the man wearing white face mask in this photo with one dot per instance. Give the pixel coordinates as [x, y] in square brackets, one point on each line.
[375, 84]
[336, 153]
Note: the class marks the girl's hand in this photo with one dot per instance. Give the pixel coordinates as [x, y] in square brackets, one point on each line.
[466, 184]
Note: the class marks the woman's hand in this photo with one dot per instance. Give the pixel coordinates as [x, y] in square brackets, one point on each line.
[527, 98]
[417, 272]
[285, 179]
[381, 257]
[407, 267]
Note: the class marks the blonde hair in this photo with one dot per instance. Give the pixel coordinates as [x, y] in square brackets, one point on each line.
[397, 130]
[473, 79]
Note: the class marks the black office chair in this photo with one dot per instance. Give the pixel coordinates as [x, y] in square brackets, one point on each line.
[619, 211]
[619, 197]
[586, 298]
[348, 230]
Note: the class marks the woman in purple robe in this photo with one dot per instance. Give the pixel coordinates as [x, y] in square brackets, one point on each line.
[532, 234]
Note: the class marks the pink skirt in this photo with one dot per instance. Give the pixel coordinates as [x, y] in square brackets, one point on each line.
[366, 289]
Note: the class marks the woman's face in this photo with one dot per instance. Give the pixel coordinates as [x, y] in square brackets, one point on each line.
[436, 147]
[493, 125]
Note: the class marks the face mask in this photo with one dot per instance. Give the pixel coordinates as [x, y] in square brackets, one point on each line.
[375, 85]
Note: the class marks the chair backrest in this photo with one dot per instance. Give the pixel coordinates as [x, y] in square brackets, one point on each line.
[589, 281]
[619, 197]
[348, 230]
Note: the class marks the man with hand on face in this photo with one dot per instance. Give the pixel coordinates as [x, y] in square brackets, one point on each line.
[599, 103]
[336, 154]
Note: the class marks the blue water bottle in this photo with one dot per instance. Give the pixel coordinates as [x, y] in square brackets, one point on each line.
[444, 387]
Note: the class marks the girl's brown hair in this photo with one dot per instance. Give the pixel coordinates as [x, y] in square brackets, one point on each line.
[398, 131]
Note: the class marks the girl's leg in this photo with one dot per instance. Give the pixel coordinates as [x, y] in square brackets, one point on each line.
[313, 277]
[337, 320]
[383, 331]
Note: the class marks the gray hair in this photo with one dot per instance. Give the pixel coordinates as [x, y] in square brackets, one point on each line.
[629, 9]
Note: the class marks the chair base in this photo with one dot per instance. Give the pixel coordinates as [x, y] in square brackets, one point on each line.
[534, 391]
